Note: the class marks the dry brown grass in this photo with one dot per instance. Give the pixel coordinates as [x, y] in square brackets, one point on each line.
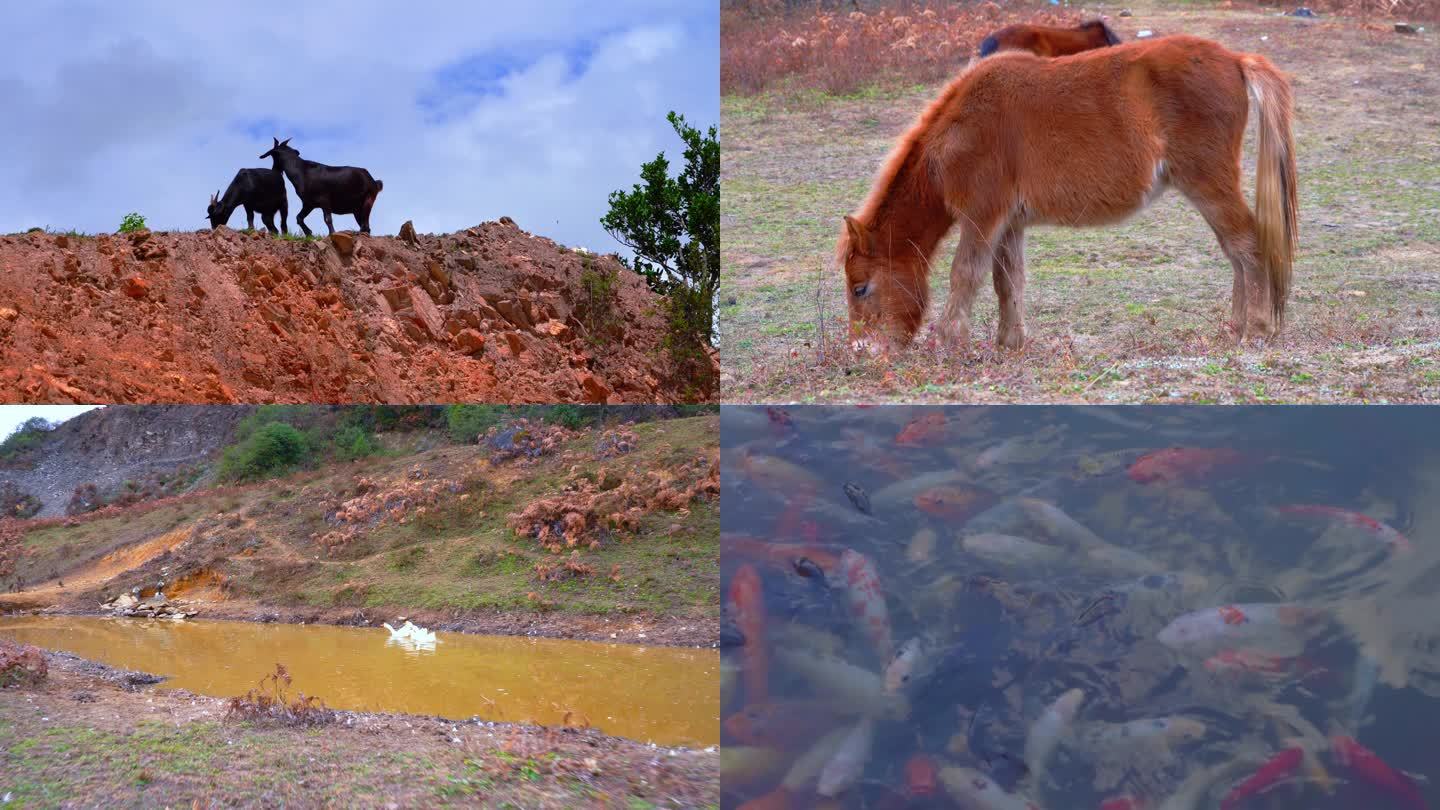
[840, 51]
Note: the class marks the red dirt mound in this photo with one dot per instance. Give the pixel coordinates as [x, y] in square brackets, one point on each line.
[491, 313]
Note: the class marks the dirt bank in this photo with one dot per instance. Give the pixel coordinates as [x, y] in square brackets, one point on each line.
[654, 631]
[89, 735]
[488, 314]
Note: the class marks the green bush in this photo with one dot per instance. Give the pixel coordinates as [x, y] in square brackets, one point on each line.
[467, 422]
[272, 450]
[132, 222]
[25, 438]
[353, 441]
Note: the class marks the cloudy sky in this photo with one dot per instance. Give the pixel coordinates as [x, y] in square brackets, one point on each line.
[13, 416]
[467, 111]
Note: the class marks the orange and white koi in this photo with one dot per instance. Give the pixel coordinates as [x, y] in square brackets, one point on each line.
[848, 761]
[952, 502]
[1046, 731]
[1260, 664]
[1379, 530]
[902, 493]
[867, 600]
[1365, 764]
[747, 602]
[785, 724]
[1184, 464]
[1272, 626]
[976, 791]
[927, 428]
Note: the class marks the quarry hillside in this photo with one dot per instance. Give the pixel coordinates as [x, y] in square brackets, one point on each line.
[487, 314]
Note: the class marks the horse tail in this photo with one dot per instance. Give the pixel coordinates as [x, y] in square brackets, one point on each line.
[1275, 184]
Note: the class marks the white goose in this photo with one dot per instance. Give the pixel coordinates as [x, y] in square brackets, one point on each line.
[411, 631]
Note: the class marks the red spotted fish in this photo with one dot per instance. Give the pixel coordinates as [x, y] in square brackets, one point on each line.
[1274, 627]
[1380, 531]
[866, 600]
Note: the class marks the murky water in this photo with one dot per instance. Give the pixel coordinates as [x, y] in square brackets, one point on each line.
[1060, 614]
[663, 695]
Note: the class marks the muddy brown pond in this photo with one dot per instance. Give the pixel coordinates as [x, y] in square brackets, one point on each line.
[664, 695]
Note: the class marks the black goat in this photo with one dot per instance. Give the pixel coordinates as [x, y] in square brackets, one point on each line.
[258, 190]
[332, 189]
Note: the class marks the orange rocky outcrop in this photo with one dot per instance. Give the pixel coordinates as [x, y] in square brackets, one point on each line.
[491, 314]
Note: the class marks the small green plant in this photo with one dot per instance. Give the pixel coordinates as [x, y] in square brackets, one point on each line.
[132, 222]
[599, 293]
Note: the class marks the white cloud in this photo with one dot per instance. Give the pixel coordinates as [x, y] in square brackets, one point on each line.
[145, 106]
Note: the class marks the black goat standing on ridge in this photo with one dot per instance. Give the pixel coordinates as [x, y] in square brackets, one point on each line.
[259, 190]
[332, 189]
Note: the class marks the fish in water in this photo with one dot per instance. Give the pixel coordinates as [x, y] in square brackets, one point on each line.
[921, 776]
[776, 474]
[1380, 531]
[902, 667]
[779, 555]
[747, 602]
[833, 677]
[781, 425]
[952, 502]
[867, 600]
[1181, 464]
[858, 496]
[1266, 625]
[1279, 768]
[1011, 550]
[743, 765]
[1150, 732]
[976, 791]
[848, 761]
[1366, 765]
[785, 724]
[927, 428]
[1046, 731]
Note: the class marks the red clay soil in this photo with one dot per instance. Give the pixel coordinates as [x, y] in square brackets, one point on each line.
[488, 314]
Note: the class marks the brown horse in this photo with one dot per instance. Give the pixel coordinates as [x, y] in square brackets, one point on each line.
[1090, 139]
[1047, 40]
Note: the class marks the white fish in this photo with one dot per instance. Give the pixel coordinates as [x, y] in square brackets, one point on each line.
[902, 667]
[1046, 731]
[839, 679]
[1059, 525]
[1274, 627]
[1116, 558]
[806, 770]
[976, 791]
[1012, 550]
[848, 761]
[901, 493]
[1150, 732]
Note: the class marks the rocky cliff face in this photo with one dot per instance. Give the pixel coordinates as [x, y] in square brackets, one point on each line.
[488, 314]
[109, 446]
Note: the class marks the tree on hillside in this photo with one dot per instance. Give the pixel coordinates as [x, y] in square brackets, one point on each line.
[673, 226]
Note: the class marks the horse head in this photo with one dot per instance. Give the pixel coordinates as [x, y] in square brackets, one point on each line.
[887, 294]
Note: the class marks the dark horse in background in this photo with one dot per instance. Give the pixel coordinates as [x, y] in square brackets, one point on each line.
[1049, 41]
[332, 189]
[260, 191]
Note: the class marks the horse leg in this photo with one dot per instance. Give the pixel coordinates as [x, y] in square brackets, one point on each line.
[1008, 275]
[329, 223]
[269, 219]
[972, 258]
[305, 209]
[1234, 226]
[250, 217]
[284, 215]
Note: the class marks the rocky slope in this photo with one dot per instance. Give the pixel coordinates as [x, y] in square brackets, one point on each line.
[491, 314]
[109, 446]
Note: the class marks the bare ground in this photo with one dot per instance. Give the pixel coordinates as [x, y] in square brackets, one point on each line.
[1134, 313]
[90, 737]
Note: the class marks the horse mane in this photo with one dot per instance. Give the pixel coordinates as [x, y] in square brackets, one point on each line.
[907, 150]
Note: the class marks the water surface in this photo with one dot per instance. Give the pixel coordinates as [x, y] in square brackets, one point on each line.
[1101, 545]
[664, 695]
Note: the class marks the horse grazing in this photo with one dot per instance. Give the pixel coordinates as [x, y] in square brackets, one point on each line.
[332, 189]
[1048, 40]
[259, 191]
[1016, 140]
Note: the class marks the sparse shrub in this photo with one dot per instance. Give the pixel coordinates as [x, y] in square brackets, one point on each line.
[614, 443]
[132, 222]
[85, 498]
[274, 449]
[571, 568]
[598, 307]
[522, 438]
[21, 665]
[17, 503]
[271, 702]
[467, 423]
